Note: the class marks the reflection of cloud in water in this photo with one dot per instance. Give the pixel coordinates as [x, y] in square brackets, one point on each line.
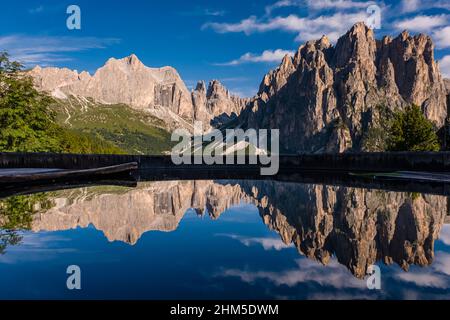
[240, 213]
[339, 296]
[36, 247]
[424, 280]
[332, 275]
[442, 263]
[436, 276]
[445, 234]
[266, 243]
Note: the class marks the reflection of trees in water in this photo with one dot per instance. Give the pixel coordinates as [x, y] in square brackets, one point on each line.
[8, 238]
[16, 214]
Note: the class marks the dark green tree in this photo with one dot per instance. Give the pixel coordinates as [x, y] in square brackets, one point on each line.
[27, 123]
[16, 214]
[411, 131]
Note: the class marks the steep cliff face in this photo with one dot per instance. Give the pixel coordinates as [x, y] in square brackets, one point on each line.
[128, 81]
[325, 97]
[447, 86]
[215, 103]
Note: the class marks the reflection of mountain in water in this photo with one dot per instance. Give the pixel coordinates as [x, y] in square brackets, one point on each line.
[125, 216]
[358, 226]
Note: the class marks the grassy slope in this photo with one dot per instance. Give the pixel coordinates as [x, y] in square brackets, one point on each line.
[132, 131]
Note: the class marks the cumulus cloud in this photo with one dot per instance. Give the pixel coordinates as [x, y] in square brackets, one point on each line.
[266, 56]
[338, 4]
[424, 280]
[445, 232]
[281, 4]
[434, 276]
[423, 23]
[408, 6]
[316, 5]
[442, 264]
[442, 38]
[307, 28]
[435, 25]
[46, 50]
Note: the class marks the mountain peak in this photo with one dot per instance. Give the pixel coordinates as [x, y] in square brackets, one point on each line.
[404, 35]
[201, 86]
[286, 63]
[359, 27]
[344, 84]
[216, 88]
[132, 59]
[324, 42]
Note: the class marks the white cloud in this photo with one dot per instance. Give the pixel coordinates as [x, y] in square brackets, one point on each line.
[46, 50]
[434, 276]
[408, 6]
[442, 263]
[338, 4]
[422, 23]
[306, 27]
[442, 38]
[267, 56]
[445, 232]
[317, 5]
[424, 279]
[280, 4]
[435, 25]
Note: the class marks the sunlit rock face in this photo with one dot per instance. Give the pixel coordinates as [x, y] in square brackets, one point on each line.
[447, 85]
[357, 226]
[215, 104]
[325, 97]
[157, 90]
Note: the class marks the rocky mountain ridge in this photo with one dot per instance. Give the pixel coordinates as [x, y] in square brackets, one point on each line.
[160, 91]
[326, 97]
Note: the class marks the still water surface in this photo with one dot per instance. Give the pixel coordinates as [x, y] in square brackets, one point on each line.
[225, 240]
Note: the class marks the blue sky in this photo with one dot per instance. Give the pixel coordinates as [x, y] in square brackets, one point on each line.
[235, 41]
